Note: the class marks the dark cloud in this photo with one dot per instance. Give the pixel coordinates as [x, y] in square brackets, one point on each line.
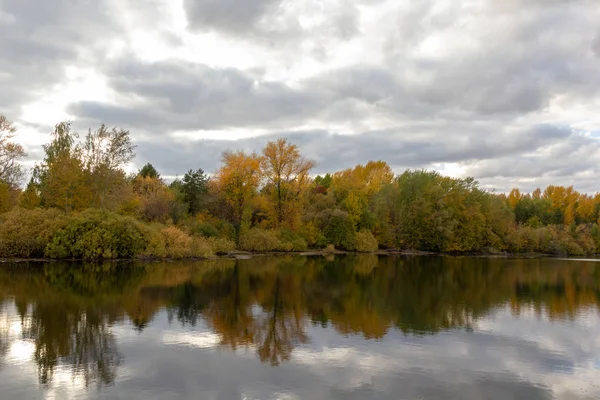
[227, 15]
[596, 45]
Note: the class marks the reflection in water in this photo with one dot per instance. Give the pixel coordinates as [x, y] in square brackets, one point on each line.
[269, 306]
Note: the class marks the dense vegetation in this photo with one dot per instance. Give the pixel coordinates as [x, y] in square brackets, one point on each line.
[80, 203]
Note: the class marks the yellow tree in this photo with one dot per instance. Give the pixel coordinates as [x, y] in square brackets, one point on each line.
[61, 178]
[30, 198]
[286, 171]
[365, 180]
[563, 199]
[6, 197]
[356, 187]
[514, 198]
[238, 180]
[586, 209]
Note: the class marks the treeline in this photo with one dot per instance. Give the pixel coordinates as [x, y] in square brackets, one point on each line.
[81, 203]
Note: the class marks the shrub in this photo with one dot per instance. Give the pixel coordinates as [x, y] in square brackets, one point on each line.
[329, 249]
[155, 241]
[292, 241]
[365, 242]
[340, 231]
[220, 245]
[26, 233]
[257, 239]
[179, 244]
[97, 234]
[226, 230]
[551, 240]
[207, 230]
[311, 233]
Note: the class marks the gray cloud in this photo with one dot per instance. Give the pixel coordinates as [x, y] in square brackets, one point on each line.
[40, 39]
[490, 87]
[181, 95]
[413, 146]
[228, 15]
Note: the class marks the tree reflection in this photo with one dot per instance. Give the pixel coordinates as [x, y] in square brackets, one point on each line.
[268, 304]
[58, 311]
[78, 338]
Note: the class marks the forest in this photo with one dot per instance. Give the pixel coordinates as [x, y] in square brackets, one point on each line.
[80, 203]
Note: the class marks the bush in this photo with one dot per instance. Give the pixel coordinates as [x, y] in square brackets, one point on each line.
[206, 230]
[552, 240]
[365, 242]
[155, 241]
[98, 234]
[257, 239]
[220, 245]
[329, 249]
[26, 233]
[292, 241]
[179, 244]
[340, 231]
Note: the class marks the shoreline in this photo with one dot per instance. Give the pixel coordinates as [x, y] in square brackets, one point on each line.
[244, 255]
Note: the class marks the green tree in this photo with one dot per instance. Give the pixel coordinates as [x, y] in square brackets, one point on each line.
[148, 171]
[194, 188]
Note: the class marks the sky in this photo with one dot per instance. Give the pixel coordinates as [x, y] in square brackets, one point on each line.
[505, 91]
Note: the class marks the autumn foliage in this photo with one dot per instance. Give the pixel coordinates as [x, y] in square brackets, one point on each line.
[81, 203]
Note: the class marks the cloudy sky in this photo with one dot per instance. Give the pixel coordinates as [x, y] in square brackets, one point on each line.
[506, 91]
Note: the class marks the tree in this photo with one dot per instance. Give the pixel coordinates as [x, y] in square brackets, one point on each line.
[156, 199]
[61, 178]
[6, 197]
[11, 172]
[194, 188]
[287, 173]
[105, 154]
[30, 198]
[238, 180]
[148, 171]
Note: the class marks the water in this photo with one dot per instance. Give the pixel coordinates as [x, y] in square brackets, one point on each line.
[302, 328]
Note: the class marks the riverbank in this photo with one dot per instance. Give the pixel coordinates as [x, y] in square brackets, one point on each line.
[243, 255]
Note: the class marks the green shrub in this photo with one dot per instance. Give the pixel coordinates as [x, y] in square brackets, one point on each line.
[98, 234]
[365, 242]
[340, 231]
[292, 240]
[207, 230]
[26, 233]
[226, 230]
[257, 239]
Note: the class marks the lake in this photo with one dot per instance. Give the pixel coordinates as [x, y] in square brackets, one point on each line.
[348, 327]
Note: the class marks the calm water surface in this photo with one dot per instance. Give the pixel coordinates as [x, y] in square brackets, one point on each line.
[302, 328]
